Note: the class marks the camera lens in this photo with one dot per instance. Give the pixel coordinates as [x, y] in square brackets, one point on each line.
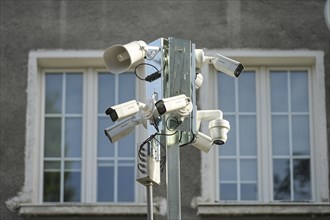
[218, 142]
[160, 107]
[112, 113]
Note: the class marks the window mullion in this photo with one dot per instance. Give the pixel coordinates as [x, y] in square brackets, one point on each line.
[238, 180]
[312, 138]
[290, 137]
[116, 146]
[264, 131]
[63, 138]
[88, 195]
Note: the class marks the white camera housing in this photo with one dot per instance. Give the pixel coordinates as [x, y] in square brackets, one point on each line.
[180, 105]
[124, 110]
[198, 80]
[123, 128]
[226, 65]
[218, 129]
[221, 63]
[202, 142]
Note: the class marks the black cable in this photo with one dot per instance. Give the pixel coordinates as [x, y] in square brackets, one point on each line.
[141, 155]
[191, 141]
[178, 123]
[150, 77]
[142, 171]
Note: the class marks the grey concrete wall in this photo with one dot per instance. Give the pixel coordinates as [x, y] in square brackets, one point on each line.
[85, 24]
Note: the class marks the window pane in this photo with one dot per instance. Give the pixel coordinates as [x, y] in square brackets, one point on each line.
[73, 137]
[281, 178]
[228, 191]
[248, 169]
[226, 92]
[52, 165]
[72, 186]
[280, 135]
[126, 87]
[229, 148]
[54, 92]
[106, 91]
[52, 181]
[228, 170]
[248, 135]
[299, 91]
[52, 137]
[72, 165]
[300, 135]
[301, 178]
[279, 91]
[74, 93]
[105, 184]
[126, 182]
[249, 191]
[105, 147]
[246, 92]
[126, 146]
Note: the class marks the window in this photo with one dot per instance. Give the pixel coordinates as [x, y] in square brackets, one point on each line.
[65, 133]
[63, 137]
[115, 162]
[69, 159]
[290, 136]
[276, 110]
[237, 100]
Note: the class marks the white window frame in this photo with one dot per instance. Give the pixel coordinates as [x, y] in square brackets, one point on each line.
[29, 199]
[259, 60]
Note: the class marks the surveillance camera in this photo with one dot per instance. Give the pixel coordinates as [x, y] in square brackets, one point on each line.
[120, 130]
[199, 58]
[226, 65]
[123, 110]
[123, 128]
[180, 104]
[220, 62]
[198, 80]
[218, 129]
[202, 142]
[207, 115]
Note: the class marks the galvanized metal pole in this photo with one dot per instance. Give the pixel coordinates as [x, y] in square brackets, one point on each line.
[173, 178]
[150, 201]
[180, 80]
[177, 62]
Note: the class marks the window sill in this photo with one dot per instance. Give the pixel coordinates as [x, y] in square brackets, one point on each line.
[83, 209]
[263, 209]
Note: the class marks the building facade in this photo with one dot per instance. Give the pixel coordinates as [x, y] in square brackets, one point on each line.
[56, 161]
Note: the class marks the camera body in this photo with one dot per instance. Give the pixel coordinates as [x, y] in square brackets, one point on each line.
[218, 128]
[123, 128]
[123, 110]
[226, 65]
[180, 104]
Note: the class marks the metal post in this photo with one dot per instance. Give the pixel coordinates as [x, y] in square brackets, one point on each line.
[173, 178]
[150, 201]
[177, 61]
[180, 77]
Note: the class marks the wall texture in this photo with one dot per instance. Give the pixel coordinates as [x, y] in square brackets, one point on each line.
[97, 24]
